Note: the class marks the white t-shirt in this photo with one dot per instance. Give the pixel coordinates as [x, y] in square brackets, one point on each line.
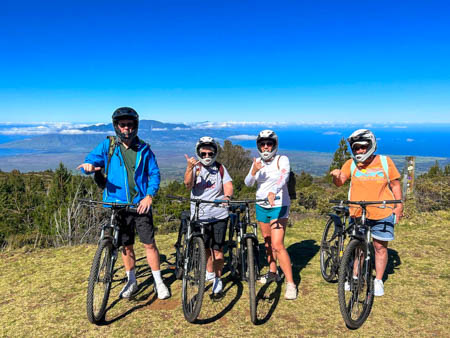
[208, 185]
[272, 177]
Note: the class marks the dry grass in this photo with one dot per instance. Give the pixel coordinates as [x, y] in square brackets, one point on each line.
[43, 293]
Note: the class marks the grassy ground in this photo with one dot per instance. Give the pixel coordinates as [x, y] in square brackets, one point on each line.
[43, 293]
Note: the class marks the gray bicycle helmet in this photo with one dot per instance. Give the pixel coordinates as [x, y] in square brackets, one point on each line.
[125, 113]
[267, 135]
[206, 141]
[362, 137]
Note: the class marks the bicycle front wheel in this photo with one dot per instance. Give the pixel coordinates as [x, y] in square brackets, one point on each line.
[329, 253]
[233, 252]
[193, 285]
[355, 288]
[251, 268]
[99, 283]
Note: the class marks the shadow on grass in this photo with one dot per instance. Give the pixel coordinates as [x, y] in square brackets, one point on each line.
[394, 262]
[229, 283]
[142, 271]
[267, 300]
[300, 254]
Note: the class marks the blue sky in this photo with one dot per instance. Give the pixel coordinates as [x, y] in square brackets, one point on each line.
[185, 61]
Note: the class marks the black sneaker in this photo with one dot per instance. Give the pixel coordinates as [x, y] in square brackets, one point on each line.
[269, 278]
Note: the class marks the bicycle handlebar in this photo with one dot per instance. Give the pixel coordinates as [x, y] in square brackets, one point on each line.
[112, 204]
[365, 203]
[219, 201]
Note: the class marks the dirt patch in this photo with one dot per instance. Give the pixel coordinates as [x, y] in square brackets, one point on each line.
[165, 304]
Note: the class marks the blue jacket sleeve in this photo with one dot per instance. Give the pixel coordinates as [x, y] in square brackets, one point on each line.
[154, 175]
[97, 156]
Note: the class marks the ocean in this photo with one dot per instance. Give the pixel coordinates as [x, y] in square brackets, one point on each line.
[413, 140]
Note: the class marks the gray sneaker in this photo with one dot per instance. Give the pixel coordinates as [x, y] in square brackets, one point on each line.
[269, 278]
[291, 291]
[128, 290]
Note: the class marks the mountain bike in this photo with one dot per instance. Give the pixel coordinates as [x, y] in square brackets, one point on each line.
[101, 275]
[356, 279]
[190, 259]
[243, 248]
[333, 240]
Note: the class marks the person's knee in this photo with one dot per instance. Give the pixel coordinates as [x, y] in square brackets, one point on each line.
[278, 247]
[151, 247]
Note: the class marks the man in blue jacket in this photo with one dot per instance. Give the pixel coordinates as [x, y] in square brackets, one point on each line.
[132, 176]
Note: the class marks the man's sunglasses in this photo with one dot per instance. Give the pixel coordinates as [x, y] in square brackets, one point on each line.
[203, 154]
[266, 143]
[129, 124]
[360, 146]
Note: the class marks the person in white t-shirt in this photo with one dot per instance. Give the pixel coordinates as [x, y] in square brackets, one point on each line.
[270, 172]
[209, 180]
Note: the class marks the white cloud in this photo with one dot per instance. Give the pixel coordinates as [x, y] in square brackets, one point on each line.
[331, 133]
[243, 137]
[159, 129]
[409, 140]
[80, 132]
[179, 128]
[400, 127]
[368, 125]
[43, 128]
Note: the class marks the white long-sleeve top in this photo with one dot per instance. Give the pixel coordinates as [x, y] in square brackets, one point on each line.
[272, 177]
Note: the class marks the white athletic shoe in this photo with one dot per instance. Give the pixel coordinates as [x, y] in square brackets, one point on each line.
[209, 276]
[217, 286]
[162, 291]
[379, 287]
[291, 291]
[347, 284]
[128, 290]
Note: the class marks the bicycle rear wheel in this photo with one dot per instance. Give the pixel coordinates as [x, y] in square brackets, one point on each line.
[356, 302]
[193, 285]
[99, 283]
[251, 269]
[329, 253]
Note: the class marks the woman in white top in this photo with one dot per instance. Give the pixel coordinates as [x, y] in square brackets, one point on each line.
[271, 173]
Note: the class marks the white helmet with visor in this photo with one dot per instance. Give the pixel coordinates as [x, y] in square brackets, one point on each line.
[206, 142]
[267, 136]
[362, 137]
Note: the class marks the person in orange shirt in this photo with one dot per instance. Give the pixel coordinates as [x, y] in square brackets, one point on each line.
[373, 178]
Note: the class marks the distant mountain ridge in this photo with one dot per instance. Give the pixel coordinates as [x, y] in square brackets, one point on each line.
[143, 125]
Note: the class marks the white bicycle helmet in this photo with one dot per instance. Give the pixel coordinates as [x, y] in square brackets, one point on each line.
[206, 141]
[266, 135]
[362, 137]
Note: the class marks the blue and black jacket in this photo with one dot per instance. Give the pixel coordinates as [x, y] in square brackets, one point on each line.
[146, 176]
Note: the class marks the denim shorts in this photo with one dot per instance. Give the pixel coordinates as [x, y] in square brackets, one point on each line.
[266, 215]
[382, 229]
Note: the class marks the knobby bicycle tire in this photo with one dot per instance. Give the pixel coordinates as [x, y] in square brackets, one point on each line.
[356, 304]
[99, 284]
[180, 247]
[251, 266]
[329, 253]
[233, 254]
[193, 285]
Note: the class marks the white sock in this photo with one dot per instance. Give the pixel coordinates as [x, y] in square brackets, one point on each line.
[131, 276]
[157, 276]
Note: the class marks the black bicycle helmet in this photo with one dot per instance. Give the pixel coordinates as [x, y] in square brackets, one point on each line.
[125, 113]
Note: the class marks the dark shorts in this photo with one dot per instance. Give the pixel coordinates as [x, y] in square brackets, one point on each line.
[215, 234]
[130, 222]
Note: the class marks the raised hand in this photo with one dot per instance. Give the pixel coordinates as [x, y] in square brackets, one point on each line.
[88, 168]
[191, 162]
[257, 165]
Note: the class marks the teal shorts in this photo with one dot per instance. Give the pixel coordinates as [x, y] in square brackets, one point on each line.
[266, 215]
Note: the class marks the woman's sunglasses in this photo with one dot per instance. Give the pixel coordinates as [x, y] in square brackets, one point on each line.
[203, 154]
[266, 143]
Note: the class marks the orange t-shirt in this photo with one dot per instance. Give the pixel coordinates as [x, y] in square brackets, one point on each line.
[369, 183]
